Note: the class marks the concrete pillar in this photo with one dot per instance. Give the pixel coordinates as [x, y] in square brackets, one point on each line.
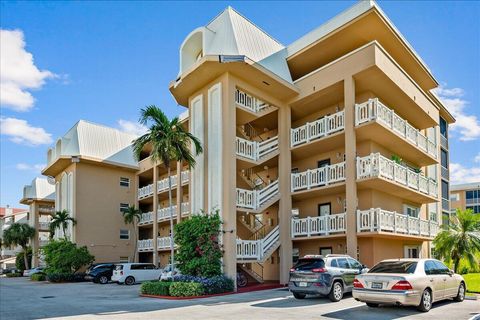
[136, 257]
[350, 158]
[36, 239]
[285, 204]
[179, 192]
[155, 214]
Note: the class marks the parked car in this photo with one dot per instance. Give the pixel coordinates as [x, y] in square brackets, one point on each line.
[30, 272]
[167, 273]
[130, 273]
[330, 276]
[100, 272]
[409, 282]
[10, 270]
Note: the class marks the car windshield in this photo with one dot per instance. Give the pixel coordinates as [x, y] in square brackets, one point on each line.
[394, 267]
[309, 264]
[119, 267]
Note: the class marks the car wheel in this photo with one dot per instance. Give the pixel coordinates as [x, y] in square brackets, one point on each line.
[299, 295]
[461, 293]
[425, 301]
[372, 305]
[336, 294]
[129, 281]
[103, 279]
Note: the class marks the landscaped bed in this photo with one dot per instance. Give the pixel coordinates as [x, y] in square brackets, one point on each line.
[473, 282]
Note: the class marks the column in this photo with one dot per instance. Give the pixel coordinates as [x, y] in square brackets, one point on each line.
[136, 257]
[155, 214]
[179, 192]
[285, 204]
[36, 239]
[350, 159]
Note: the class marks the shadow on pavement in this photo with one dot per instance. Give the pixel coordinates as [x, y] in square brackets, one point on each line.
[291, 302]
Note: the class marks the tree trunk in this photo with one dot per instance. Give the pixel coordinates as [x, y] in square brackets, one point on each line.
[172, 253]
[456, 262]
[25, 257]
[134, 242]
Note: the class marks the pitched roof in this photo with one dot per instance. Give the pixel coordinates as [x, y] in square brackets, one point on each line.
[8, 211]
[39, 189]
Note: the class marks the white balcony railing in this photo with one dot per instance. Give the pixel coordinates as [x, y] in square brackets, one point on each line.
[318, 226]
[44, 225]
[376, 165]
[43, 242]
[318, 177]
[318, 129]
[258, 249]
[164, 243]
[250, 102]
[162, 185]
[163, 213]
[374, 110]
[255, 150]
[146, 218]
[374, 220]
[147, 244]
[254, 199]
[145, 192]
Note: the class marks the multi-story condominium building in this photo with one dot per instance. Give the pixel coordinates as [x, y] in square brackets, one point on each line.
[94, 173]
[465, 196]
[11, 216]
[40, 197]
[331, 144]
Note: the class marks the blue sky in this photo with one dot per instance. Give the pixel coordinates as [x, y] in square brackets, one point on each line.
[103, 61]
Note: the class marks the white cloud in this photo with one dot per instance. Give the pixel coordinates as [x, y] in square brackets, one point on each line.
[460, 174]
[30, 167]
[18, 72]
[21, 132]
[477, 158]
[131, 127]
[467, 125]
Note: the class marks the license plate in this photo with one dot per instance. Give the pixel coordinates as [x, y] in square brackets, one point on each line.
[377, 285]
[302, 284]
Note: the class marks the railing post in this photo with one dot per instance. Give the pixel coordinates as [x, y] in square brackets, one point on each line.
[395, 222]
[307, 132]
[309, 226]
[309, 179]
[372, 219]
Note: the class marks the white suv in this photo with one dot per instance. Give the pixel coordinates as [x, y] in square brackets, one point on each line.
[130, 273]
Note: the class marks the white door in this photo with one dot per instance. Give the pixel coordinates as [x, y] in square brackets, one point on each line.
[324, 209]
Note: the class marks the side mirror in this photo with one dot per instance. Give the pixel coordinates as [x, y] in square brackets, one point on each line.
[451, 272]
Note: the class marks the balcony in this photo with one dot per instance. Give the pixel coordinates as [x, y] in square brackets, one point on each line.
[162, 185]
[256, 151]
[145, 192]
[383, 221]
[146, 245]
[46, 210]
[256, 200]
[260, 249]
[405, 182]
[44, 225]
[251, 103]
[42, 242]
[377, 122]
[318, 226]
[319, 129]
[319, 177]
[163, 214]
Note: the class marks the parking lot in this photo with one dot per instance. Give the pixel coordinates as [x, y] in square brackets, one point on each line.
[22, 299]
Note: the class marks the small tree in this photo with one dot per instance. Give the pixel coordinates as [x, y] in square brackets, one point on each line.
[19, 234]
[459, 239]
[63, 256]
[132, 216]
[199, 253]
[19, 259]
[60, 220]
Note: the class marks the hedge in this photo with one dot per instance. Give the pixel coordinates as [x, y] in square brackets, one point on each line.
[213, 285]
[158, 288]
[38, 277]
[14, 275]
[65, 277]
[186, 289]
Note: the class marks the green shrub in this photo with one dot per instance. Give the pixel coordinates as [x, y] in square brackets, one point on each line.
[38, 277]
[186, 289]
[14, 275]
[19, 259]
[158, 288]
[65, 277]
[64, 257]
[213, 285]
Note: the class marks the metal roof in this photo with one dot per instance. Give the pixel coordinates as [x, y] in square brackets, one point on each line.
[39, 189]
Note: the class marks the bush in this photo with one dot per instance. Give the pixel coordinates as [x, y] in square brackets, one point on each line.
[14, 275]
[213, 285]
[64, 257]
[199, 252]
[38, 277]
[186, 289]
[20, 262]
[158, 288]
[65, 277]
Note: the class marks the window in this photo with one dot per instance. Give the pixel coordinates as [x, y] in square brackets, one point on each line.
[343, 263]
[334, 263]
[309, 264]
[445, 218]
[324, 209]
[454, 197]
[472, 196]
[430, 268]
[445, 191]
[442, 269]
[443, 127]
[412, 252]
[323, 163]
[325, 250]
[295, 255]
[137, 267]
[354, 264]
[444, 158]
[124, 207]
[410, 211]
[123, 260]
[475, 209]
[124, 234]
[394, 267]
[124, 182]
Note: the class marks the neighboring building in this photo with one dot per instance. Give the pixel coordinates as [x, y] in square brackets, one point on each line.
[11, 216]
[465, 196]
[94, 172]
[40, 197]
[331, 144]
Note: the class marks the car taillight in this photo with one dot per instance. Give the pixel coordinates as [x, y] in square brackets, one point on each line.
[357, 284]
[402, 285]
[319, 270]
[292, 270]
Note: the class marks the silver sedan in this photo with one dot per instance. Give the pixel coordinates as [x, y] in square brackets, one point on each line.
[410, 282]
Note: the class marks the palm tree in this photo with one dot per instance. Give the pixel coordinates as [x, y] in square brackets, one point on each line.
[459, 239]
[60, 220]
[170, 142]
[19, 234]
[132, 216]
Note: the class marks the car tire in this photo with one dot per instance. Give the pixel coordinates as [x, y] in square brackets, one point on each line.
[461, 293]
[372, 305]
[129, 280]
[425, 301]
[103, 279]
[336, 293]
[298, 295]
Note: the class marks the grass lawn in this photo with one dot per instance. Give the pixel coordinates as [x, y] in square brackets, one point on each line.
[473, 282]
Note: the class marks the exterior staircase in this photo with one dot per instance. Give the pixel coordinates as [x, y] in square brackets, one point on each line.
[256, 152]
[258, 250]
[248, 269]
[254, 181]
[253, 105]
[257, 201]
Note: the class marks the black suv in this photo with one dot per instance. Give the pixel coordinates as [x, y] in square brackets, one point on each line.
[330, 276]
[100, 272]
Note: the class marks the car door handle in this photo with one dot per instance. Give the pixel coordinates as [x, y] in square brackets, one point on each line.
[431, 280]
[341, 271]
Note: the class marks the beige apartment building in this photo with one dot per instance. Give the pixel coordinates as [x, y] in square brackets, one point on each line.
[93, 170]
[465, 196]
[331, 144]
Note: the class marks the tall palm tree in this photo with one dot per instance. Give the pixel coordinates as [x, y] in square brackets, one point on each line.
[459, 239]
[132, 216]
[19, 234]
[170, 142]
[60, 220]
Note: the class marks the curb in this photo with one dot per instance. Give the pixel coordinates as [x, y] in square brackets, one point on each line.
[185, 298]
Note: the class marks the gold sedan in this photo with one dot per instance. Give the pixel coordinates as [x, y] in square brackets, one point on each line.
[409, 282]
